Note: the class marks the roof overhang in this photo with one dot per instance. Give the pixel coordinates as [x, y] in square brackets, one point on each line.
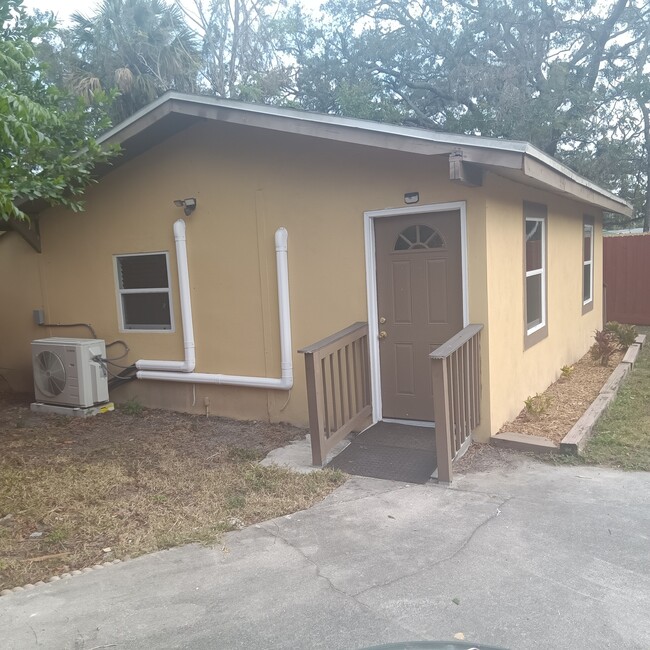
[28, 230]
[518, 161]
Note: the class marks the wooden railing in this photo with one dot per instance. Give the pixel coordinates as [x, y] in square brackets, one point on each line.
[456, 367]
[338, 388]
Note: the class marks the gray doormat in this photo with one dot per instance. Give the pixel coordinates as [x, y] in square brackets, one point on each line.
[395, 452]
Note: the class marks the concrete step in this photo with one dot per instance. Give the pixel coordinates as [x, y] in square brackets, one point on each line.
[524, 442]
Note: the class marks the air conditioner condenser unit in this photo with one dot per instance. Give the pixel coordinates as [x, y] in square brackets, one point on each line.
[67, 372]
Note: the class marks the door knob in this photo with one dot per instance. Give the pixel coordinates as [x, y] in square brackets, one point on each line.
[382, 320]
[382, 334]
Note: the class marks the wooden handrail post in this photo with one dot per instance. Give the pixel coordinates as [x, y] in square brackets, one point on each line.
[443, 424]
[314, 402]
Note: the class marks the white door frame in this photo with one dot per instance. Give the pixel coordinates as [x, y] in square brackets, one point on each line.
[371, 282]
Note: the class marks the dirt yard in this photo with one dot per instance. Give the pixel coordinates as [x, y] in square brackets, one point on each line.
[567, 399]
[78, 492]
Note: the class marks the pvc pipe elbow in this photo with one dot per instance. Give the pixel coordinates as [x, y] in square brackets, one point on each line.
[190, 359]
[179, 230]
[281, 240]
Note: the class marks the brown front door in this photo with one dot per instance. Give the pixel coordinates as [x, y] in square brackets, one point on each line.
[420, 305]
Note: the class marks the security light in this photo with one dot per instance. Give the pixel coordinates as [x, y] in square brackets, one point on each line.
[188, 205]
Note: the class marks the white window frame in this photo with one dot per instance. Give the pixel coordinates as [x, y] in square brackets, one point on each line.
[586, 225]
[541, 271]
[119, 292]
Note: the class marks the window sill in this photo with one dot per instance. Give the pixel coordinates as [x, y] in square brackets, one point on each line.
[535, 337]
[138, 331]
[587, 307]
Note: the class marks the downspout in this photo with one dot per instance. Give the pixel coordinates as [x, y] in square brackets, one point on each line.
[189, 363]
[285, 382]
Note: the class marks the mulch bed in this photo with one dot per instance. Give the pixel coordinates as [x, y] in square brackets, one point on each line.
[569, 399]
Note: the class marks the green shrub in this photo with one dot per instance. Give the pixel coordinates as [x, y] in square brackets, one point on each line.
[625, 334]
[566, 372]
[537, 404]
[605, 346]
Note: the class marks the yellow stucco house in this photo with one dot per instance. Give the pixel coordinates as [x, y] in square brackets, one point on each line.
[228, 236]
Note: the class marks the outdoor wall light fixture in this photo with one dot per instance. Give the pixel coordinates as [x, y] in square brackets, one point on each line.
[411, 197]
[188, 205]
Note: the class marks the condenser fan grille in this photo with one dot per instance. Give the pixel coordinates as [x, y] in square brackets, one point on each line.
[49, 373]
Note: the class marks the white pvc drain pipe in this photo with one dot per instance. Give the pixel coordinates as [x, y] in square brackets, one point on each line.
[188, 364]
[182, 371]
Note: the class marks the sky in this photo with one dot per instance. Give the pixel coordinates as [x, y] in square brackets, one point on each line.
[64, 8]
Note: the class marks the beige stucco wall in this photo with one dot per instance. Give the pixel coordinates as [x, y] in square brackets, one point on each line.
[248, 183]
[515, 372]
[20, 293]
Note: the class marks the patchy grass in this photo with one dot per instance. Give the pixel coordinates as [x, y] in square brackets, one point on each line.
[124, 483]
[622, 437]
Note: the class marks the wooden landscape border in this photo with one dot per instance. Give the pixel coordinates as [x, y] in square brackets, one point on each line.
[574, 442]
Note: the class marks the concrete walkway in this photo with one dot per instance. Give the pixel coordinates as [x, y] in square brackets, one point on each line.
[516, 554]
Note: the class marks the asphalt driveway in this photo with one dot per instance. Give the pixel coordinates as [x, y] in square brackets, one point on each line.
[517, 554]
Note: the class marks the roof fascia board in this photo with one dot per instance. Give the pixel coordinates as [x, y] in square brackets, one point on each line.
[536, 155]
[566, 184]
[344, 134]
[327, 131]
[511, 154]
[454, 140]
[200, 106]
[137, 122]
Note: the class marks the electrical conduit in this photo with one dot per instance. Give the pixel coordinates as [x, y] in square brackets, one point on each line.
[174, 370]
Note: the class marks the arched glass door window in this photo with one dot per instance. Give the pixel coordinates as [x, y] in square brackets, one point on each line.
[418, 237]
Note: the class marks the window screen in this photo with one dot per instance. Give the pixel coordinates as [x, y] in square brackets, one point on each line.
[144, 293]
